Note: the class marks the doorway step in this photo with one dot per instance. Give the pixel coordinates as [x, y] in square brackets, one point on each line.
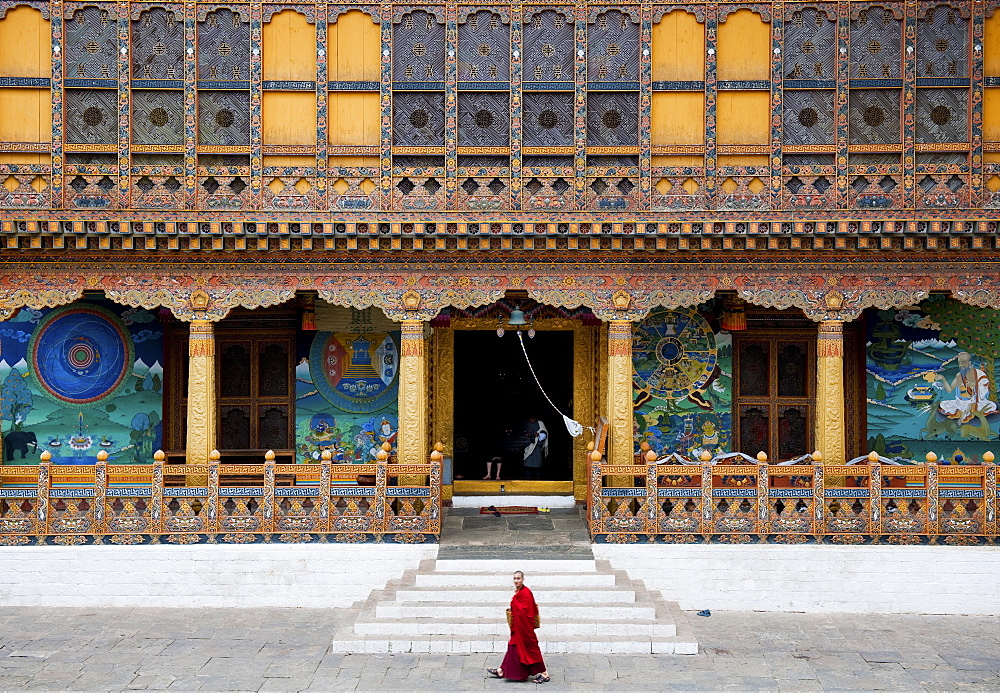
[457, 605]
[485, 501]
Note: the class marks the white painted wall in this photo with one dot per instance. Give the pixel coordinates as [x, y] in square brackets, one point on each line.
[255, 575]
[817, 578]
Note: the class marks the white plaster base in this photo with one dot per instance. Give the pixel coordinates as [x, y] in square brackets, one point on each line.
[817, 578]
[510, 499]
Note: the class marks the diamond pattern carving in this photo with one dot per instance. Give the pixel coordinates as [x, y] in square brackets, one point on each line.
[942, 42]
[810, 44]
[874, 116]
[418, 48]
[547, 119]
[942, 115]
[92, 45]
[483, 119]
[808, 116]
[92, 116]
[224, 117]
[613, 50]
[548, 47]
[418, 118]
[876, 44]
[157, 117]
[612, 119]
[484, 48]
[157, 45]
[224, 46]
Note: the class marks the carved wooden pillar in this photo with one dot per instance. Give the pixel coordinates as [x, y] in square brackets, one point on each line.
[201, 409]
[830, 392]
[413, 447]
[620, 449]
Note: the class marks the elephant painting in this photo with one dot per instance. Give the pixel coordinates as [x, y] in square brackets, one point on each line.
[19, 441]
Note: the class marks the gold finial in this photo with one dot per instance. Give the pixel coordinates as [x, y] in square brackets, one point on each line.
[590, 446]
[381, 455]
[439, 447]
[644, 446]
[650, 456]
[214, 455]
[102, 456]
[873, 457]
[762, 456]
[705, 456]
[988, 457]
[269, 456]
[387, 447]
[596, 455]
[931, 457]
[159, 455]
[436, 456]
[817, 456]
[45, 456]
[326, 455]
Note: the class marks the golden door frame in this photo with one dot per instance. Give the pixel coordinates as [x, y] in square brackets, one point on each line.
[587, 394]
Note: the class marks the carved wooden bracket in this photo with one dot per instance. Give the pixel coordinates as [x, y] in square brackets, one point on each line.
[200, 303]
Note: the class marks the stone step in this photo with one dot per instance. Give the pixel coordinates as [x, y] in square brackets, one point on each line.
[551, 629]
[553, 580]
[481, 610]
[445, 644]
[508, 566]
[458, 595]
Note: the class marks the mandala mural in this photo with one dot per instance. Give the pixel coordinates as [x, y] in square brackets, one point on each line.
[355, 372]
[674, 355]
[80, 354]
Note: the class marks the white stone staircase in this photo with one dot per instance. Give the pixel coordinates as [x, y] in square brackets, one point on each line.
[457, 606]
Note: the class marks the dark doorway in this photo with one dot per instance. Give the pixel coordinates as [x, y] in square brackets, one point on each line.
[495, 394]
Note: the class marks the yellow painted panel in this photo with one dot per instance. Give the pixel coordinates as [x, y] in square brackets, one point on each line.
[678, 160]
[991, 46]
[744, 47]
[988, 158]
[354, 118]
[354, 44]
[678, 48]
[743, 117]
[25, 115]
[19, 159]
[289, 51]
[991, 115]
[289, 117]
[25, 44]
[353, 161]
[743, 160]
[678, 117]
[294, 161]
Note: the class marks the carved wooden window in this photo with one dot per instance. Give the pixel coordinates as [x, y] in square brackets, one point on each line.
[942, 115]
[418, 48]
[774, 394]
[157, 45]
[92, 44]
[808, 116]
[874, 116]
[92, 116]
[224, 117]
[547, 119]
[483, 119]
[256, 398]
[483, 48]
[810, 44]
[613, 119]
[943, 41]
[224, 46]
[613, 48]
[548, 47]
[876, 42]
[418, 118]
[157, 116]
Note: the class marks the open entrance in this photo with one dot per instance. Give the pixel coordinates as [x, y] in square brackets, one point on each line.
[496, 396]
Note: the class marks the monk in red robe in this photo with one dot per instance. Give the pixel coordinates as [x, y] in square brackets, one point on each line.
[524, 658]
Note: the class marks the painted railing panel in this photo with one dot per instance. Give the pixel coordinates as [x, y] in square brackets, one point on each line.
[104, 504]
[791, 504]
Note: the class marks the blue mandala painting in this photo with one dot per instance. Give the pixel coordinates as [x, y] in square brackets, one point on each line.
[80, 354]
[356, 373]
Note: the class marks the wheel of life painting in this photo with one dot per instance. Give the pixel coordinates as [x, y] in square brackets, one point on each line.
[673, 353]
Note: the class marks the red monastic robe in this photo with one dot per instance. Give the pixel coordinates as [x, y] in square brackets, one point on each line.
[522, 627]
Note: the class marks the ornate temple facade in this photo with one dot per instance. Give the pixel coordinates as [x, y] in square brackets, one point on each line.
[748, 227]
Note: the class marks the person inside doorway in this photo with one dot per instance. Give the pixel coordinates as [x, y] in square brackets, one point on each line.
[495, 460]
[537, 449]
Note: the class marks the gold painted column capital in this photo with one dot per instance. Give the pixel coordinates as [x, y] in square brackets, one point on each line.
[620, 450]
[830, 428]
[201, 405]
[413, 415]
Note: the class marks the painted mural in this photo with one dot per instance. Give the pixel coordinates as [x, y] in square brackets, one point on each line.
[682, 383]
[932, 381]
[346, 395]
[80, 379]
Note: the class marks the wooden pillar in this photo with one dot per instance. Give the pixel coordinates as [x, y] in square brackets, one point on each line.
[830, 438]
[201, 406]
[412, 447]
[620, 449]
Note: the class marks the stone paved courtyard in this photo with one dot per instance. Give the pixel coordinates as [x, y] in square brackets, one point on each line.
[285, 650]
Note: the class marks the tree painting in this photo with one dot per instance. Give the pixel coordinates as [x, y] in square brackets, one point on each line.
[16, 400]
[975, 330]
